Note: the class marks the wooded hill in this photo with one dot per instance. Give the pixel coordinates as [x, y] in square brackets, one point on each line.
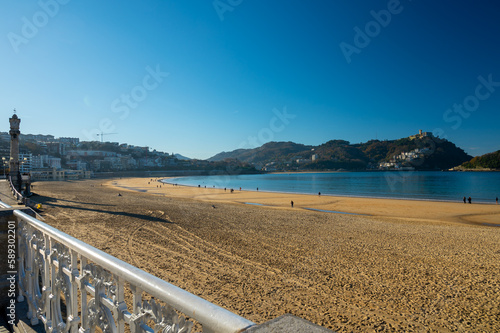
[487, 161]
[440, 154]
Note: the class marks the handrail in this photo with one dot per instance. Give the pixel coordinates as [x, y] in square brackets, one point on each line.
[15, 192]
[212, 317]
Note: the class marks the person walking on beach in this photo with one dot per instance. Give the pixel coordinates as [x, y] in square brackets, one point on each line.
[465, 200]
[470, 200]
[291, 203]
[496, 200]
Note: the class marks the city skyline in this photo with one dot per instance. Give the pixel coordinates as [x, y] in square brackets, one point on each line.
[199, 80]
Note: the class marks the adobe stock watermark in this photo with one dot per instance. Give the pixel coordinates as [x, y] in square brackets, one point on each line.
[277, 124]
[31, 26]
[127, 101]
[11, 271]
[471, 103]
[223, 6]
[363, 37]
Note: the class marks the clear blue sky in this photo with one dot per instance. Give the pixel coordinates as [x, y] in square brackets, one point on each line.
[201, 77]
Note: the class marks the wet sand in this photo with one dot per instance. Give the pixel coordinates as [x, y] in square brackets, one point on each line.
[401, 266]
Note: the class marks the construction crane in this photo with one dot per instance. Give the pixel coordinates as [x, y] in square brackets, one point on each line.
[103, 134]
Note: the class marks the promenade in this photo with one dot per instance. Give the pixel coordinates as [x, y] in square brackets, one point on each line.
[6, 194]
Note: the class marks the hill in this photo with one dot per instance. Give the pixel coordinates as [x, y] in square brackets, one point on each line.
[270, 151]
[419, 152]
[487, 161]
[181, 157]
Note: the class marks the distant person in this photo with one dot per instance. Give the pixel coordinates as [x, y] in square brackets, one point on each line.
[291, 203]
[465, 200]
[319, 193]
[257, 189]
[470, 200]
[240, 188]
[224, 189]
[496, 200]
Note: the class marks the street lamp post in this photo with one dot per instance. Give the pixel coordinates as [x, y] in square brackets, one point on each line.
[24, 160]
[3, 164]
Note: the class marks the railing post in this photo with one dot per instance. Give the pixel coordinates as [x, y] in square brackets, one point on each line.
[121, 307]
[137, 300]
[74, 319]
[83, 295]
[51, 281]
[32, 314]
[47, 290]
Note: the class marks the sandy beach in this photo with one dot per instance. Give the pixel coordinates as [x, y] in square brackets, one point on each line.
[387, 266]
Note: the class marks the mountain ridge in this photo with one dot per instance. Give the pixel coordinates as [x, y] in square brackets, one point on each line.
[417, 152]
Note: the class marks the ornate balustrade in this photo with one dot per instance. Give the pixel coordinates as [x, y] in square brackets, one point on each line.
[14, 191]
[74, 287]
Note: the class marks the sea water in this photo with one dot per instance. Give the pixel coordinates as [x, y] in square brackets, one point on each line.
[482, 187]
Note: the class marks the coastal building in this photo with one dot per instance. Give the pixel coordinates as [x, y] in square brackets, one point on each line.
[77, 165]
[56, 148]
[4, 136]
[70, 141]
[59, 174]
[90, 153]
[37, 138]
[25, 160]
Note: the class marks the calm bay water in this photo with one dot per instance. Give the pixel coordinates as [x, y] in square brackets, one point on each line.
[422, 185]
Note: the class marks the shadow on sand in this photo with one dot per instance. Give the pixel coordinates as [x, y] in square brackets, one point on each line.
[52, 202]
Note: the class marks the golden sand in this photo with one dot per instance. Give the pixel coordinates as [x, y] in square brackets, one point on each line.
[402, 266]
[387, 208]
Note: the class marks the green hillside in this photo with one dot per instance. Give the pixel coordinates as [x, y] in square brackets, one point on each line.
[487, 161]
[417, 152]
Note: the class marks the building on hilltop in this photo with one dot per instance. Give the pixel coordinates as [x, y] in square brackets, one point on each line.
[421, 135]
[37, 138]
[5, 136]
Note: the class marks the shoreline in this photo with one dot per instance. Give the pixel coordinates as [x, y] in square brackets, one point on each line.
[332, 195]
[482, 214]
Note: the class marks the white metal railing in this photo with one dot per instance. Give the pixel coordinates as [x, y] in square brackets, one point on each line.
[15, 192]
[56, 269]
